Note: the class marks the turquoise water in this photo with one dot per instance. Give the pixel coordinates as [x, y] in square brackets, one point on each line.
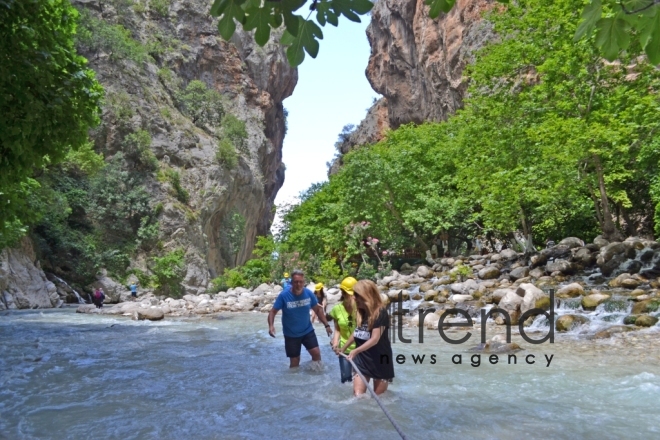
[70, 376]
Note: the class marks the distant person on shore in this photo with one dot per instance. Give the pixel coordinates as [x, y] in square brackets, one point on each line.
[344, 315]
[295, 302]
[373, 352]
[319, 292]
[98, 298]
[133, 288]
[286, 281]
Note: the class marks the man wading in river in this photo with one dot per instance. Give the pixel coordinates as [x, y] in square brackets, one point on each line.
[296, 302]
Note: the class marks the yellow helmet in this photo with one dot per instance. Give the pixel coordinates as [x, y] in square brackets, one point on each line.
[286, 274]
[347, 285]
[318, 287]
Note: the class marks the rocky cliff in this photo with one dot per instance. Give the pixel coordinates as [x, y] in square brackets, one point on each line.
[145, 54]
[417, 63]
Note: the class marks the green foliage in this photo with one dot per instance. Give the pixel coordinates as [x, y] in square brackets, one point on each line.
[84, 160]
[120, 106]
[552, 142]
[137, 149]
[48, 99]
[97, 35]
[232, 235]
[202, 105]
[174, 178]
[162, 7]
[234, 130]
[226, 154]
[169, 271]
[230, 279]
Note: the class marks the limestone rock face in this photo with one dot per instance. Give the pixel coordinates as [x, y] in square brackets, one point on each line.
[253, 82]
[23, 285]
[417, 62]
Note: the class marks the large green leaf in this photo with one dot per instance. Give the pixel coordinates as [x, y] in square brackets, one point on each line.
[590, 16]
[345, 8]
[612, 36]
[438, 6]
[305, 41]
[232, 9]
[650, 37]
[259, 19]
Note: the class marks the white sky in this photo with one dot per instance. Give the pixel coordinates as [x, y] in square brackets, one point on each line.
[332, 91]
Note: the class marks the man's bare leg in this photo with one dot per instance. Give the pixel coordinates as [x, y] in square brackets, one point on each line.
[315, 353]
[294, 362]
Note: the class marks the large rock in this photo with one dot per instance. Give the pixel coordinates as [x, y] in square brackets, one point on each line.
[570, 291]
[519, 272]
[424, 272]
[571, 242]
[489, 273]
[568, 322]
[590, 302]
[563, 266]
[600, 241]
[584, 256]
[23, 285]
[113, 290]
[609, 251]
[537, 272]
[646, 321]
[509, 254]
[533, 297]
[151, 314]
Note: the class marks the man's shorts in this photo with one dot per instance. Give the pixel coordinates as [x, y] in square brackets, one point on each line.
[292, 345]
[134, 294]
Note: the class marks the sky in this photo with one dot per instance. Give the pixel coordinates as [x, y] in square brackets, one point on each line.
[332, 91]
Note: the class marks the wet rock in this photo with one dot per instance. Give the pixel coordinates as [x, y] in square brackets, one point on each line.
[608, 332]
[568, 322]
[562, 266]
[424, 287]
[148, 314]
[537, 272]
[610, 266]
[646, 321]
[519, 272]
[556, 252]
[500, 293]
[600, 241]
[430, 295]
[609, 251]
[592, 301]
[585, 257]
[570, 291]
[424, 272]
[630, 319]
[458, 298]
[532, 296]
[646, 306]
[571, 242]
[393, 295]
[630, 283]
[489, 273]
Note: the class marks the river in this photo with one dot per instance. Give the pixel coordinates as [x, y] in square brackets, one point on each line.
[72, 376]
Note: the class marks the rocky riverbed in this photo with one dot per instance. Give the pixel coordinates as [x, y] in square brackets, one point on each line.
[601, 289]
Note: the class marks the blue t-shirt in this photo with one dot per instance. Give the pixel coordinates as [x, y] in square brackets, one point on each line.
[295, 312]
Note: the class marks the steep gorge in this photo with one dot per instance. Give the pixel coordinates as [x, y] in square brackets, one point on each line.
[168, 44]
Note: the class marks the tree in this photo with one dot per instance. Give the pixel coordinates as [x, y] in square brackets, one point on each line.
[48, 98]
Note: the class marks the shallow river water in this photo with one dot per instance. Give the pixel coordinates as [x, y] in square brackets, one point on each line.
[71, 376]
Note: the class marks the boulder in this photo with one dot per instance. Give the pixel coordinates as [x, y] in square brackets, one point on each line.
[584, 256]
[646, 306]
[563, 266]
[600, 242]
[570, 291]
[630, 283]
[499, 294]
[151, 314]
[424, 272]
[489, 273]
[590, 302]
[571, 242]
[510, 301]
[430, 295]
[537, 272]
[461, 298]
[568, 322]
[424, 287]
[262, 289]
[609, 251]
[532, 296]
[646, 321]
[519, 272]
[508, 254]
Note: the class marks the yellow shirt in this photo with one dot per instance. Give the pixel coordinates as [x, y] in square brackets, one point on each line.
[340, 315]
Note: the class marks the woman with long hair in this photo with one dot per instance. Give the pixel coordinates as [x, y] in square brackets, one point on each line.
[373, 352]
[344, 315]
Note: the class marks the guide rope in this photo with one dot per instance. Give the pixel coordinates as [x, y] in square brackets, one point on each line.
[373, 394]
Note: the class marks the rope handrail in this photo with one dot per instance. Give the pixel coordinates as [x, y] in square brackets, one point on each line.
[373, 394]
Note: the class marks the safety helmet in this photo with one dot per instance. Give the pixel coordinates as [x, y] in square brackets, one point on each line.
[347, 285]
[318, 287]
[286, 274]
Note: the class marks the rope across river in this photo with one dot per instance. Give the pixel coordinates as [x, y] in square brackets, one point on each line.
[373, 394]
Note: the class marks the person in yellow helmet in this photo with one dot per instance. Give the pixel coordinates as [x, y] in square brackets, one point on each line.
[320, 297]
[344, 315]
[286, 281]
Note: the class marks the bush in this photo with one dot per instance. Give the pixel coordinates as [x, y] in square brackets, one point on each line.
[137, 148]
[99, 35]
[226, 154]
[231, 278]
[234, 130]
[162, 7]
[169, 271]
[201, 104]
[174, 179]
